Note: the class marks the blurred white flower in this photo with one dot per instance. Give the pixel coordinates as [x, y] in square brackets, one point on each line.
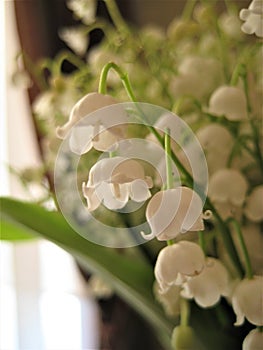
[169, 299]
[100, 131]
[99, 288]
[76, 39]
[253, 341]
[83, 9]
[174, 211]
[209, 285]
[228, 101]
[253, 17]
[211, 138]
[230, 25]
[247, 301]
[254, 204]
[177, 262]
[113, 180]
[228, 185]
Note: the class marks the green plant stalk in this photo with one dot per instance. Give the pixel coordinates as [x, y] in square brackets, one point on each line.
[249, 272]
[66, 56]
[116, 17]
[188, 9]
[184, 312]
[226, 235]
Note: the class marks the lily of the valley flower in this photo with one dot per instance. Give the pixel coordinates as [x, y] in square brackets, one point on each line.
[211, 138]
[113, 181]
[83, 9]
[228, 101]
[247, 301]
[101, 133]
[174, 211]
[253, 17]
[76, 39]
[209, 285]
[254, 205]
[253, 341]
[177, 262]
[228, 185]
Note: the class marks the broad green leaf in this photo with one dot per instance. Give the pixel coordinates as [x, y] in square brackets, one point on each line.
[132, 279]
[11, 232]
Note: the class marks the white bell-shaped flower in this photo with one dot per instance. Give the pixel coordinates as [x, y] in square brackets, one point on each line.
[228, 185]
[209, 285]
[113, 180]
[247, 301]
[102, 132]
[228, 101]
[253, 17]
[254, 205]
[76, 39]
[211, 138]
[177, 262]
[174, 211]
[253, 341]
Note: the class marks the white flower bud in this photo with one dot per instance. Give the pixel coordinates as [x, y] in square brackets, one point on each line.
[174, 211]
[228, 101]
[209, 285]
[253, 341]
[176, 262]
[247, 301]
[228, 185]
[254, 205]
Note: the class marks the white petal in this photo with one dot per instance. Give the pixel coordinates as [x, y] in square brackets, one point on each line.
[229, 101]
[253, 341]
[170, 299]
[112, 199]
[89, 193]
[228, 185]
[247, 301]
[80, 139]
[139, 191]
[178, 260]
[254, 205]
[174, 211]
[209, 285]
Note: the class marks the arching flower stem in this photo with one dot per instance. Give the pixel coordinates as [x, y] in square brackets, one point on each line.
[201, 240]
[249, 273]
[224, 229]
[116, 17]
[188, 9]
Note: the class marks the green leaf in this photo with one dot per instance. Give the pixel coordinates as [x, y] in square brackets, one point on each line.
[11, 232]
[131, 279]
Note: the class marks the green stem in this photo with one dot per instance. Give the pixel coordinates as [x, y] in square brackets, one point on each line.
[116, 16]
[168, 160]
[66, 56]
[248, 266]
[188, 9]
[185, 312]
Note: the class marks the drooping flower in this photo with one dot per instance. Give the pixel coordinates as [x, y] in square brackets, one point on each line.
[207, 287]
[211, 138]
[83, 9]
[254, 205]
[174, 211]
[176, 262]
[113, 181]
[228, 101]
[253, 341]
[76, 39]
[247, 301]
[253, 17]
[228, 185]
[101, 132]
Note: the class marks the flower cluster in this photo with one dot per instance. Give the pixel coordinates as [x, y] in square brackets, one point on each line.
[205, 69]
